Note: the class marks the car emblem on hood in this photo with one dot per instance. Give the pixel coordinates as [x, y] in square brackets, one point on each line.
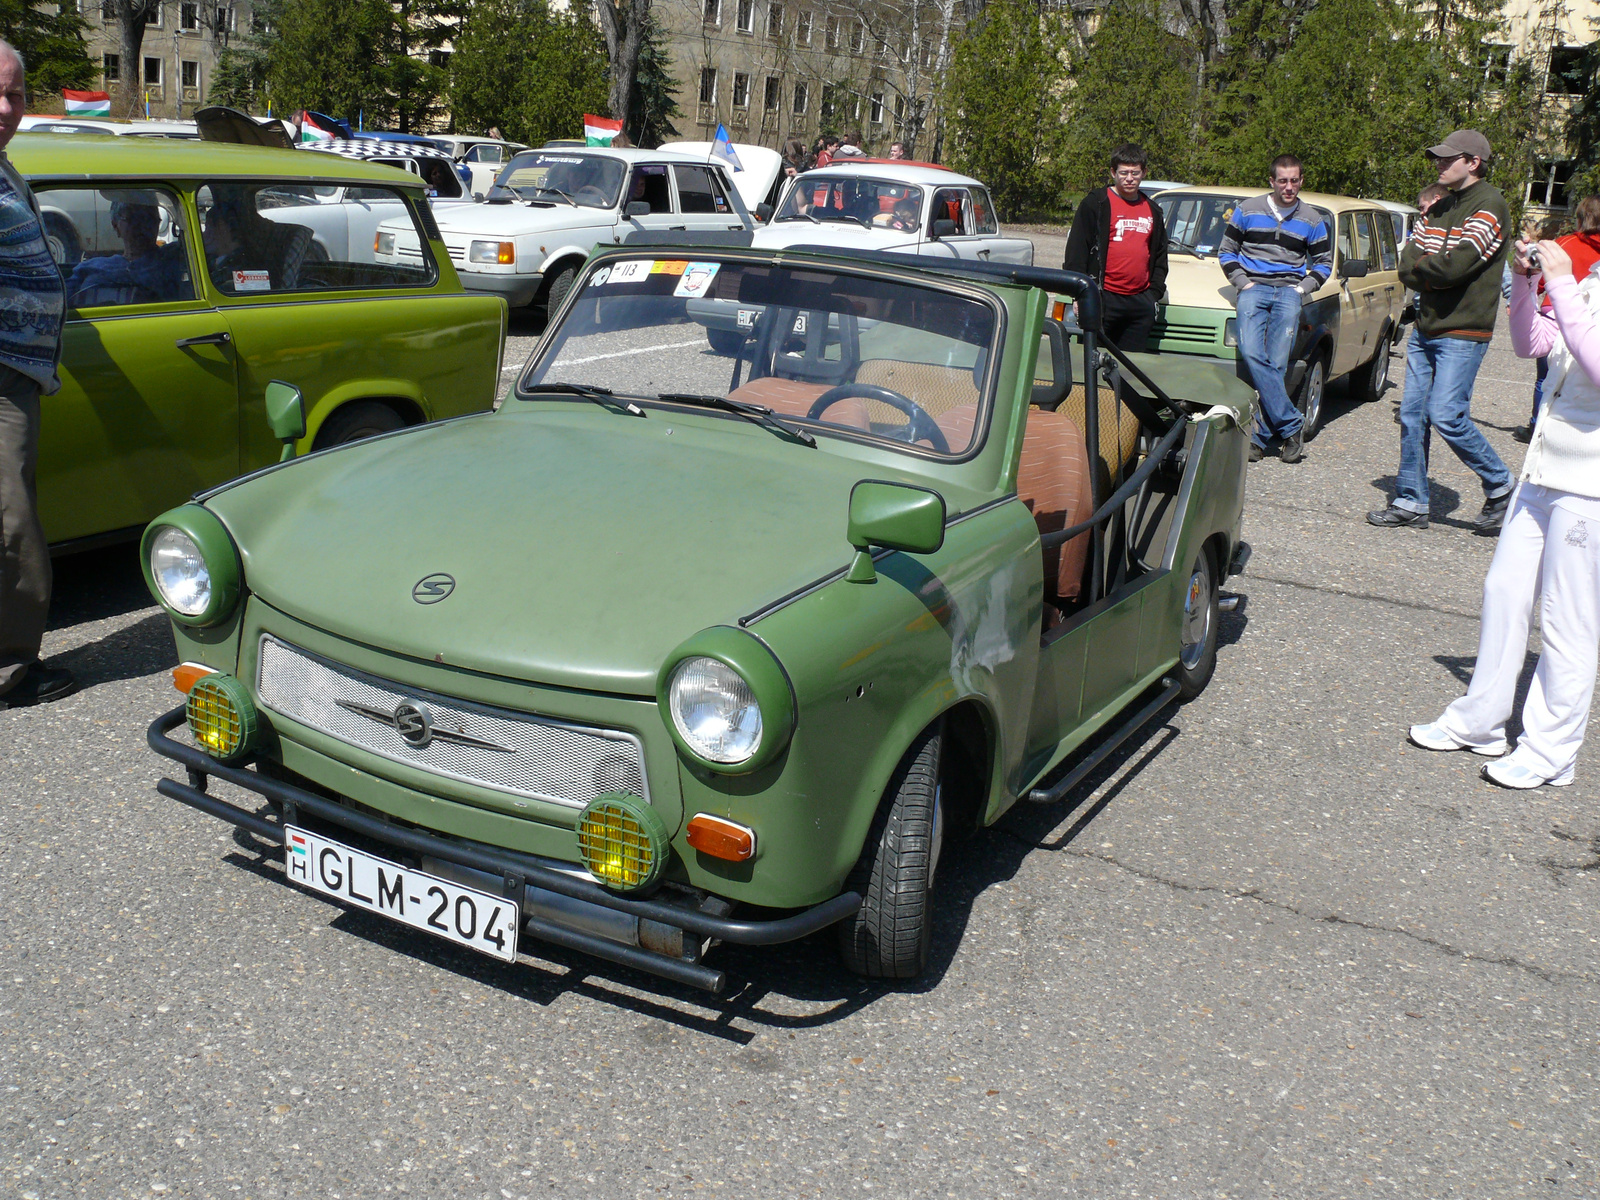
[433, 588]
[416, 726]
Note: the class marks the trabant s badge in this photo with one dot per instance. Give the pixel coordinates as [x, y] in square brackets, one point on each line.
[415, 724]
[433, 588]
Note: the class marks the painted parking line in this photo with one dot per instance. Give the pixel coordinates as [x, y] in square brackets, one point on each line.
[573, 362]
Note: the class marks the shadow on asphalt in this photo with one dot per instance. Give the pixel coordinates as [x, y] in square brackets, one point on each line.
[97, 585]
[1461, 668]
[1442, 500]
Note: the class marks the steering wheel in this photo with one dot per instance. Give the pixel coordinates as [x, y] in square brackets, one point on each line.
[919, 424]
[598, 196]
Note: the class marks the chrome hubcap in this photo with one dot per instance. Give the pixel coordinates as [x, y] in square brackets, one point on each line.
[1196, 614]
[1313, 393]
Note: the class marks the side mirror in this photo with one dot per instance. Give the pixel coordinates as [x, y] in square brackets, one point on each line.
[638, 208]
[1353, 268]
[286, 414]
[895, 516]
[943, 227]
[763, 212]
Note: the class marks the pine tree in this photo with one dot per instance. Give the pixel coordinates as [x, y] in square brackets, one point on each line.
[50, 40]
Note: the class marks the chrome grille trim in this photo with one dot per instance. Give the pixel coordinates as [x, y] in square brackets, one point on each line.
[555, 761]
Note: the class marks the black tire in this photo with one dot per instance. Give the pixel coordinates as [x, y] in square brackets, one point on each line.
[556, 288]
[1369, 380]
[362, 419]
[726, 342]
[889, 936]
[61, 236]
[1197, 626]
[1309, 399]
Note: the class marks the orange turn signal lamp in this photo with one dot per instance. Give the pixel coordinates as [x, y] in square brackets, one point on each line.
[186, 675]
[721, 838]
[1058, 310]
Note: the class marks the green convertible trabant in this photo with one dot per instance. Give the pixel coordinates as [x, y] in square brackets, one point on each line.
[689, 644]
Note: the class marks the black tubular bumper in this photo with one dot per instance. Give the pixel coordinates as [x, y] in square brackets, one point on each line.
[515, 869]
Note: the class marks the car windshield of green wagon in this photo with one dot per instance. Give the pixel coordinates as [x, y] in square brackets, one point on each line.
[831, 352]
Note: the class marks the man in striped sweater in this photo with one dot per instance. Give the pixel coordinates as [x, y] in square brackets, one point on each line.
[1453, 261]
[1276, 251]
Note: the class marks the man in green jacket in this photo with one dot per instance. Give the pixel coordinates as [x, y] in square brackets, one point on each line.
[1453, 261]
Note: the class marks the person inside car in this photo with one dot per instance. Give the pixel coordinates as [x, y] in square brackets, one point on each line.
[144, 273]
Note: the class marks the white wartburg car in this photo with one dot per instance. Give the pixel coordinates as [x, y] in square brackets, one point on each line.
[550, 207]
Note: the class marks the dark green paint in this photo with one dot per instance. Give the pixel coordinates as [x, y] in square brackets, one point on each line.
[221, 558]
[749, 656]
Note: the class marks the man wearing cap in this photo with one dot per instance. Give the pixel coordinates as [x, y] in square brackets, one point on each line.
[32, 306]
[1453, 261]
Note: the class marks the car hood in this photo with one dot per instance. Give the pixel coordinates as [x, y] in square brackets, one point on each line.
[512, 219]
[584, 544]
[843, 234]
[1200, 283]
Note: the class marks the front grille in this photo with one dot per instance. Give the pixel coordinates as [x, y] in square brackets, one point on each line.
[540, 758]
[1193, 335]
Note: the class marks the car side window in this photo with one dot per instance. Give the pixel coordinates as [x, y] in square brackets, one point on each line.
[1366, 245]
[1388, 252]
[699, 191]
[256, 244]
[1347, 237]
[649, 184]
[983, 213]
[484, 153]
[117, 245]
[947, 206]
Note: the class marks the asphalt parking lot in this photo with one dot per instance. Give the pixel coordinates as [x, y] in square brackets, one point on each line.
[1273, 952]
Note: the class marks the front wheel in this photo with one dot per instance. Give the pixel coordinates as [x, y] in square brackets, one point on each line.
[556, 289]
[1309, 398]
[889, 935]
[728, 343]
[363, 419]
[1373, 376]
[1197, 637]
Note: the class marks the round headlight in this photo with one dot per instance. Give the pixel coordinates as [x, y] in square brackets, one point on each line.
[714, 710]
[180, 572]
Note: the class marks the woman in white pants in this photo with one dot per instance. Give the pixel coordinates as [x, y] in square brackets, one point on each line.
[1550, 545]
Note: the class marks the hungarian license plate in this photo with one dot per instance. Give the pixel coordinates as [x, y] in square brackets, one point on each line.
[465, 916]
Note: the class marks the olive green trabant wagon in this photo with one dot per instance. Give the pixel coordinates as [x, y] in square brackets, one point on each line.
[195, 274]
[694, 642]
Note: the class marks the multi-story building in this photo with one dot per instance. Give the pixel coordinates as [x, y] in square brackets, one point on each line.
[182, 42]
[773, 69]
[1551, 36]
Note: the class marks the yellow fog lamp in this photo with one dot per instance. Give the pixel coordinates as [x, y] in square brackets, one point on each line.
[222, 717]
[622, 841]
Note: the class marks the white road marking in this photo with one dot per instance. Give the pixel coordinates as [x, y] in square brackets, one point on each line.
[573, 362]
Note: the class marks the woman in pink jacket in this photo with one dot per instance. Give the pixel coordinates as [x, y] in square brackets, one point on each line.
[1549, 549]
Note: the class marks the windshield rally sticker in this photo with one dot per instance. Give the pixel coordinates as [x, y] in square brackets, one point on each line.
[696, 279]
[632, 271]
[252, 281]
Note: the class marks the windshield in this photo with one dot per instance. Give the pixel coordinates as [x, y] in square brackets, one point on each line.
[561, 177]
[827, 351]
[879, 203]
[1197, 223]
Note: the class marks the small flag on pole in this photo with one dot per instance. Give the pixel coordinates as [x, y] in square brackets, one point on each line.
[85, 104]
[598, 131]
[722, 148]
[314, 127]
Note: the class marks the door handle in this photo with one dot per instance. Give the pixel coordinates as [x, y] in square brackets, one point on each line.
[983, 254]
[205, 339]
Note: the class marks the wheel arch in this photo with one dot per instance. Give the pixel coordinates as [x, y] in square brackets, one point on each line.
[404, 396]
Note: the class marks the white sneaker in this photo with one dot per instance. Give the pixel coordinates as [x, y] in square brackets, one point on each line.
[1435, 736]
[1509, 774]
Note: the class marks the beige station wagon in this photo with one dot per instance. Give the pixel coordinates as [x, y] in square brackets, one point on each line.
[1346, 329]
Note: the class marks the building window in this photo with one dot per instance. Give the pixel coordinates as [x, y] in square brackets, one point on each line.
[190, 73]
[439, 58]
[858, 37]
[152, 72]
[741, 90]
[1496, 64]
[152, 15]
[708, 85]
[774, 92]
[111, 67]
[833, 32]
[189, 17]
[713, 12]
[226, 20]
[802, 96]
[747, 16]
[802, 29]
[876, 113]
[930, 51]
[899, 110]
[1566, 71]
[775, 22]
[1549, 186]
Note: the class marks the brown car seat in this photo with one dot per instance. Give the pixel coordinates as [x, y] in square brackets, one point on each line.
[794, 398]
[936, 389]
[1119, 431]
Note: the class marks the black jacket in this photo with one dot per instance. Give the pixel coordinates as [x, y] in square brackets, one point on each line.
[1091, 230]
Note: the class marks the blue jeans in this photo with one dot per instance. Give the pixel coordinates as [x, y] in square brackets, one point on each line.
[1440, 372]
[1541, 369]
[1268, 318]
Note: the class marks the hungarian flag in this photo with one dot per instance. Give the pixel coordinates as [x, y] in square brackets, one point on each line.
[86, 104]
[314, 127]
[598, 131]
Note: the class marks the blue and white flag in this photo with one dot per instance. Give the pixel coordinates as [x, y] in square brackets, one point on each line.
[722, 148]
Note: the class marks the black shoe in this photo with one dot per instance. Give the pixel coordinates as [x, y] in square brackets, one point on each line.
[1293, 449]
[1256, 452]
[1522, 433]
[1492, 516]
[1394, 518]
[40, 685]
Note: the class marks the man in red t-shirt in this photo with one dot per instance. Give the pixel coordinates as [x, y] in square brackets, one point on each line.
[1120, 241]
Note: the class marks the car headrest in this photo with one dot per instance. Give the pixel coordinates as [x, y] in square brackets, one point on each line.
[1048, 394]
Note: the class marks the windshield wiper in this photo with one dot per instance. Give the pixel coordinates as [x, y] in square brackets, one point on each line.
[558, 192]
[758, 413]
[603, 396]
[1187, 247]
[846, 217]
[795, 216]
